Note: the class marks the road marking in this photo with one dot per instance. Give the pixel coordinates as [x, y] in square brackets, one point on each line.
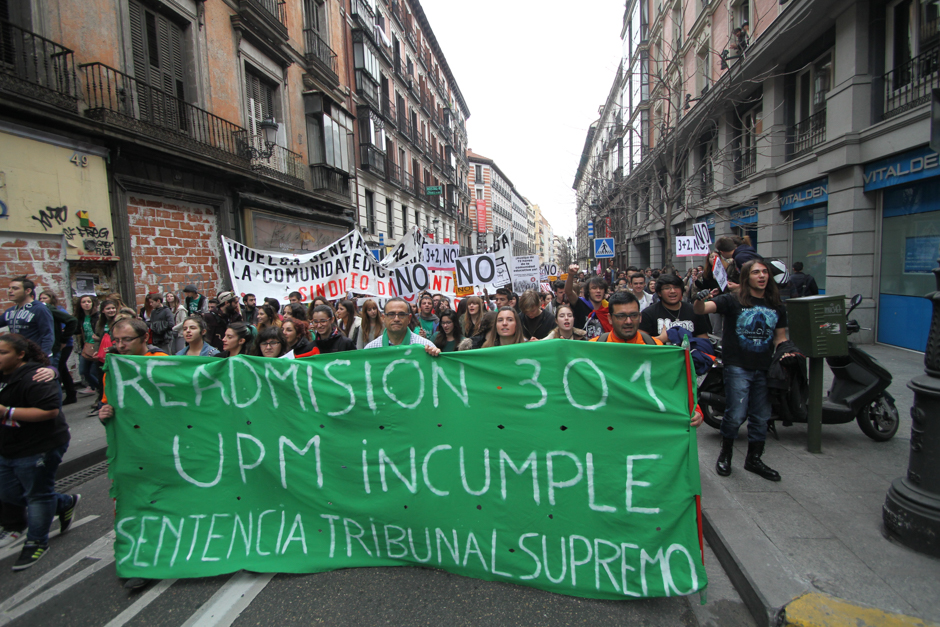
[101, 550]
[230, 601]
[145, 599]
[16, 550]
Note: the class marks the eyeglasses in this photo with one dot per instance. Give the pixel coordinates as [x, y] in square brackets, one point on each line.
[270, 344]
[397, 314]
[124, 340]
[624, 316]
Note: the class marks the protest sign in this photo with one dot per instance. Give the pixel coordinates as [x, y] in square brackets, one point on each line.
[406, 250]
[583, 483]
[718, 270]
[703, 236]
[525, 273]
[346, 265]
[475, 270]
[412, 279]
[502, 252]
[688, 246]
[440, 256]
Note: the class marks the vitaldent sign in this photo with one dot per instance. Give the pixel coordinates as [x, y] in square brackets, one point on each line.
[744, 215]
[909, 166]
[806, 195]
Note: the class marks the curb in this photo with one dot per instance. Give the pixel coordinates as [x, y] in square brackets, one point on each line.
[81, 463]
[821, 610]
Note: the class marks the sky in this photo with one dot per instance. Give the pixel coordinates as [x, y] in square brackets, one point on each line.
[533, 75]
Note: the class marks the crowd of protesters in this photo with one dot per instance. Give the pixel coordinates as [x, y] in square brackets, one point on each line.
[635, 305]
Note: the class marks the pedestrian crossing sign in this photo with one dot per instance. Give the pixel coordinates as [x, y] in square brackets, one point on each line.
[603, 247]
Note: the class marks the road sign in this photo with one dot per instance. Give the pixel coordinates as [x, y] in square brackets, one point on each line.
[433, 190]
[603, 247]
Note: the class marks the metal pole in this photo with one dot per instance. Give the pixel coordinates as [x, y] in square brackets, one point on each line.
[814, 426]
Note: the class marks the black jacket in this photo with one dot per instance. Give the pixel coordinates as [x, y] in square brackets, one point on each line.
[788, 383]
[23, 439]
[161, 323]
[216, 323]
[336, 343]
[64, 327]
[802, 285]
[538, 327]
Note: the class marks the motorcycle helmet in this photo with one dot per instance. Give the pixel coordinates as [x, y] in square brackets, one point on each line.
[779, 271]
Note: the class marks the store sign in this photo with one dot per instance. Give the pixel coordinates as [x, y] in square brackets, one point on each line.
[911, 166]
[744, 215]
[806, 195]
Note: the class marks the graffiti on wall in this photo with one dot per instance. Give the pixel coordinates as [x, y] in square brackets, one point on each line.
[51, 217]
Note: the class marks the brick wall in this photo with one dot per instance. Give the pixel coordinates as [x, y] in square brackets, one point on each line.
[38, 257]
[173, 245]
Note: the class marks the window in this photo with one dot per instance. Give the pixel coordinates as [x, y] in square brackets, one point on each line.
[370, 212]
[261, 101]
[158, 60]
[390, 217]
[404, 218]
[707, 165]
[329, 136]
[417, 218]
[372, 130]
[703, 73]
[749, 127]
[478, 173]
[367, 60]
[812, 85]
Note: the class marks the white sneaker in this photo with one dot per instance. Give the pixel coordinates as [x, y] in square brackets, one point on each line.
[87, 392]
[11, 538]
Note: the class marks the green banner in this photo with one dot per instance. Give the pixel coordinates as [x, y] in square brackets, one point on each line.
[567, 466]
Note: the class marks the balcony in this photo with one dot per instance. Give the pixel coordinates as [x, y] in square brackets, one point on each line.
[442, 91]
[449, 172]
[404, 126]
[411, 85]
[389, 112]
[37, 67]
[436, 160]
[746, 163]
[425, 103]
[371, 159]
[423, 60]
[418, 189]
[116, 99]
[363, 15]
[393, 173]
[410, 33]
[368, 90]
[384, 49]
[805, 135]
[283, 164]
[329, 180]
[417, 141]
[909, 85]
[265, 19]
[407, 182]
[395, 8]
[321, 60]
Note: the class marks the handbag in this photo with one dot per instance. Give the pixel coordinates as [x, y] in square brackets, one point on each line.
[89, 351]
[103, 347]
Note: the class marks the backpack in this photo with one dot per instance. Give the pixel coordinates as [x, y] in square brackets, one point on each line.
[647, 339]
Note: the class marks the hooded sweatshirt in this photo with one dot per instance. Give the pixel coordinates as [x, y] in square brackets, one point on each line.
[22, 439]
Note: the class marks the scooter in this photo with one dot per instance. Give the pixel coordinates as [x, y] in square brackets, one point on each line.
[859, 392]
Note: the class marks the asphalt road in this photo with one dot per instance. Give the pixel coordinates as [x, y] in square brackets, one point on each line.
[75, 584]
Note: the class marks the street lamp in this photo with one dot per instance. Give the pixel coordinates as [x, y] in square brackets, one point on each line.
[269, 132]
[436, 221]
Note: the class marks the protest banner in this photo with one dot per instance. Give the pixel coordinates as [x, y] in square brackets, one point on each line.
[346, 265]
[475, 270]
[440, 257]
[502, 252]
[406, 250]
[719, 272]
[583, 482]
[412, 279]
[690, 246]
[525, 273]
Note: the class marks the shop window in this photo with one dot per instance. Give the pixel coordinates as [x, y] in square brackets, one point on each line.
[810, 233]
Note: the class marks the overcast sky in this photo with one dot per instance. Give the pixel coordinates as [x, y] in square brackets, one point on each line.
[533, 75]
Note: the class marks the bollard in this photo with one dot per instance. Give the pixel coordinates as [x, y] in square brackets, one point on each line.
[911, 512]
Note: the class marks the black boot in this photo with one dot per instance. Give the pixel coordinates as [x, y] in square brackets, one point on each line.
[753, 462]
[723, 466]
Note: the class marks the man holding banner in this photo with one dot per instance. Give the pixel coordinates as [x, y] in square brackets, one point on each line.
[397, 319]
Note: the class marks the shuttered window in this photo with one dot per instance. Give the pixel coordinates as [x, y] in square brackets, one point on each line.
[260, 96]
[157, 45]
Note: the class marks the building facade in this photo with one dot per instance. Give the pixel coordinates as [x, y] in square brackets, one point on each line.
[131, 144]
[411, 127]
[496, 205]
[803, 125]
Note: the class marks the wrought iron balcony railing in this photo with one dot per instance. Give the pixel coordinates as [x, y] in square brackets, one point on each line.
[364, 14]
[426, 103]
[407, 181]
[118, 99]
[36, 67]
[283, 164]
[368, 89]
[393, 173]
[910, 85]
[806, 134]
[326, 178]
[274, 8]
[395, 7]
[389, 112]
[320, 56]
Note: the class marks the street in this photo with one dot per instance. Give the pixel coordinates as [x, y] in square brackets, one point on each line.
[75, 584]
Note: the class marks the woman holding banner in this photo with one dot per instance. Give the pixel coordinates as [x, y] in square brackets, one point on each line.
[448, 335]
[328, 338]
[237, 340]
[471, 321]
[507, 329]
[372, 323]
[564, 325]
[193, 332]
[271, 343]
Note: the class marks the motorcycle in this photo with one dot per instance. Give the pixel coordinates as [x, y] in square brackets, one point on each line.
[859, 392]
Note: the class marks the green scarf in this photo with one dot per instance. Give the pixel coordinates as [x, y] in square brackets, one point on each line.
[405, 341]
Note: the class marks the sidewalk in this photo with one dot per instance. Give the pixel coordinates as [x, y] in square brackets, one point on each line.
[819, 530]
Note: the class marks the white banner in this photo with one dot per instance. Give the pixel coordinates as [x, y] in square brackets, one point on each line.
[440, 256]
[720, 274]
[502, 251]
[525, 273]
[406, 250]
[702, 236]
[476, 270]
[414, 278]
[690, 247]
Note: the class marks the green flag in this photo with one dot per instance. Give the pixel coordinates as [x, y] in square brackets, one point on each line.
[567, 466]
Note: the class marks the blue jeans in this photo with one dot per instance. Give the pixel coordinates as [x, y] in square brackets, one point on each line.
[746, 398]
[88, 369]
[30, 482]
